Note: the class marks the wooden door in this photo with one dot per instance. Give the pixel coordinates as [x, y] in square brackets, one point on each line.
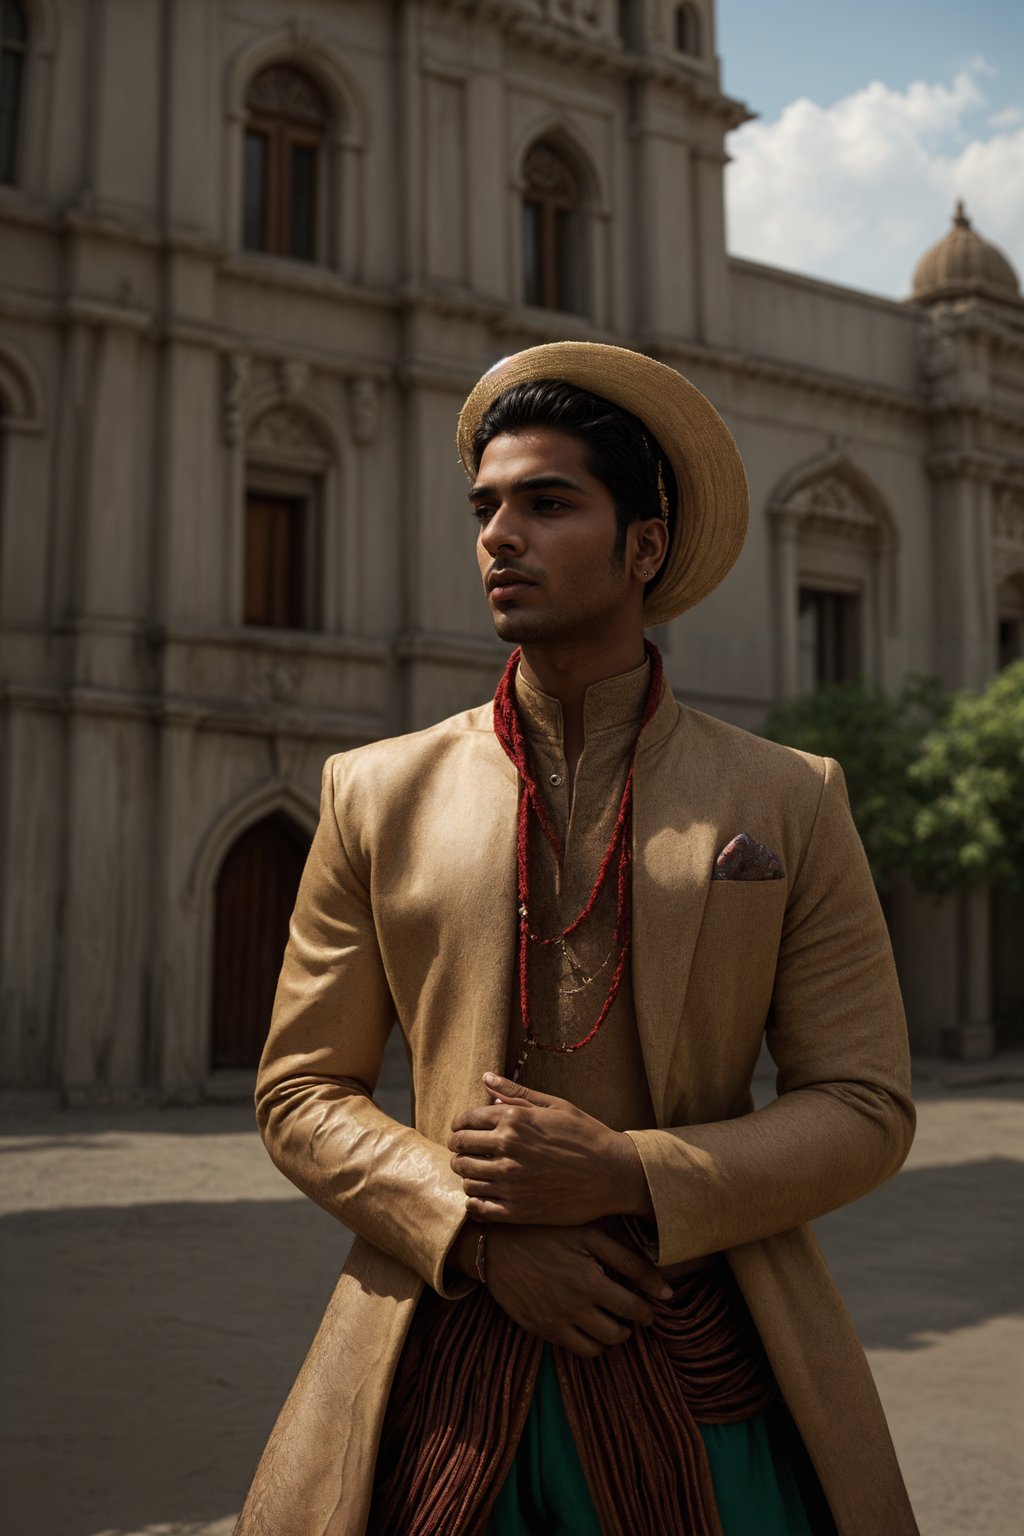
[256, 891]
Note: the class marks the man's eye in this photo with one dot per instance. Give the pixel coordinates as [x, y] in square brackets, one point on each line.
[548, 504]
[481, 513]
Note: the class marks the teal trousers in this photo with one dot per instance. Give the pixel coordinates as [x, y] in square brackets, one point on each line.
[756, 1483]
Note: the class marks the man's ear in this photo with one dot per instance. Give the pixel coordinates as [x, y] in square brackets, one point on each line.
[650, 545]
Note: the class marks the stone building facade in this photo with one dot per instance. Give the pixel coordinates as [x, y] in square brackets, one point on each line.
[251, 258]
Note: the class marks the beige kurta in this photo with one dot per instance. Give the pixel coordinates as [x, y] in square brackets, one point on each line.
[407, 910]
[606, 1078]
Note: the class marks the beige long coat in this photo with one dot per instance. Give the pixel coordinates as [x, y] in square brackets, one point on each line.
[406, 910]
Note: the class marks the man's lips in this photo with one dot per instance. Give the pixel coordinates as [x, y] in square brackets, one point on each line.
[505, 584]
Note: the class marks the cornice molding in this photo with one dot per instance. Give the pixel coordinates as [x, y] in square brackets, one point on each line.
[467, 651]
[263, 718]
[290, 643]
[965, 464]
[791, 375]
[686, 78]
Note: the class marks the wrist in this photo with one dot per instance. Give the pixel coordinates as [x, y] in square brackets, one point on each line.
[463, 1253]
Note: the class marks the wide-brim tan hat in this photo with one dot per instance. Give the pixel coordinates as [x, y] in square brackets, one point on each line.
[713, 498]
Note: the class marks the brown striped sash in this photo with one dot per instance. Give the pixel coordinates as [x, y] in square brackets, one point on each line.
[462, 1393]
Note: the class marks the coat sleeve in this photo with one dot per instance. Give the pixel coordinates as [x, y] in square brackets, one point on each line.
[332, 1016]
[843, 1120]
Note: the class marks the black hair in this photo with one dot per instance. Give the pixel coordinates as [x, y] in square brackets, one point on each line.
[620, 451]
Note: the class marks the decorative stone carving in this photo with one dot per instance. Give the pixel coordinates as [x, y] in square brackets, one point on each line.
[277, 679]
[237, 376]
[832, 505]
[545, 171]
[364, 408]
[283, 429]
[1008, 515]
[281, 91]
[294, 376]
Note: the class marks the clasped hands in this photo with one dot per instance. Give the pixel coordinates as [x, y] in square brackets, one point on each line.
[531, 1158]
[542, 1175]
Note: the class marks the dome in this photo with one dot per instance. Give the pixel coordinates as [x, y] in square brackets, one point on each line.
[963, 263]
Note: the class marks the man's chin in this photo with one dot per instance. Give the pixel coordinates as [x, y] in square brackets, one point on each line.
[519, 628]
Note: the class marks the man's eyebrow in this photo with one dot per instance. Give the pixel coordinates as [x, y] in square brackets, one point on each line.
[531, 483]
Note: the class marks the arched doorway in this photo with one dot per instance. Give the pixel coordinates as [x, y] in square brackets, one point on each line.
[255, 895]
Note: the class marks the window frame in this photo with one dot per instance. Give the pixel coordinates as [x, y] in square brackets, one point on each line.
[282, 134]
[559, 263]
[267, 484]
[852, 597]
[689, 31]
[18, 49]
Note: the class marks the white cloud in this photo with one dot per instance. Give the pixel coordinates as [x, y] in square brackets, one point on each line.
[857, 191]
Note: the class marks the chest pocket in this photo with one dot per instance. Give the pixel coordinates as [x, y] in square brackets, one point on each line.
[737, 949]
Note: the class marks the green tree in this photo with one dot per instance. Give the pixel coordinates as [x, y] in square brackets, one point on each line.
[875, 739]
[968, 781]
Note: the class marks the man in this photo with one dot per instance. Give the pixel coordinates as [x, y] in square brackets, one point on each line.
[582, 1295]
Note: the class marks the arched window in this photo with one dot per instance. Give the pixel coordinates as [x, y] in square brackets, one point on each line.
[13, 49]
[285, 172]
[688, 30]
[835, 574]
[255, 894]
[552, 254]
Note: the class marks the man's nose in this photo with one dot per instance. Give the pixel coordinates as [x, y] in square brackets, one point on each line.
[503, 533]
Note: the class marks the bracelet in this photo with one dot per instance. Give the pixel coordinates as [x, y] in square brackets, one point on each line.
[480, 1262]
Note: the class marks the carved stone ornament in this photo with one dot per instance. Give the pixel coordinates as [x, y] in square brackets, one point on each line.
[277, 679]
[237, 376]
[283, 429]
[364, 406]
[585, 14]
[282, 91]
[1008, 515]
[832, 505]
[294, 377]
[546, 172]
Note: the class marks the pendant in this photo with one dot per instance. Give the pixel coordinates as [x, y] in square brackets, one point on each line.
[522, 1060]
[572, 970]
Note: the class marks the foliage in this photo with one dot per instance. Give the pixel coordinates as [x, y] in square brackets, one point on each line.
[875, 739]
[936, 784]
[969, 780]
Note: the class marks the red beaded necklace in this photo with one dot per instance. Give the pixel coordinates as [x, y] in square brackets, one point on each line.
[509, 731]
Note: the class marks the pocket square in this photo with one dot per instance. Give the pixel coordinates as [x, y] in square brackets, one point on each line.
[744, 858]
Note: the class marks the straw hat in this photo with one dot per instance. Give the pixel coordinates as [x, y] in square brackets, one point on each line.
[713, 497]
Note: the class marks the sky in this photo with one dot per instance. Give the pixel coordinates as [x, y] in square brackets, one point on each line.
[872, 120]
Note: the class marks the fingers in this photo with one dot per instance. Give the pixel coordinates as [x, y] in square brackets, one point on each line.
[480, 1117]
[482, 1170]
[623, 1303]
[605, 1330]
[475, 1143]
[578, 1343]
[480, 1208]
[632, 1266]
[514, 1093]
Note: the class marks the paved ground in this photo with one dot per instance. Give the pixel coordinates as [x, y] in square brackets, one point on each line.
[160, 1282]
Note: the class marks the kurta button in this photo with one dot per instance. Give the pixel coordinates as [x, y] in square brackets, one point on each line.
[555, 779]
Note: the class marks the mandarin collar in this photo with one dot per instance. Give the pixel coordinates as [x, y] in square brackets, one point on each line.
[612, 705]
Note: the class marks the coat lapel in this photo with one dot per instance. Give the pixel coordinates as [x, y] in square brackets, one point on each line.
[480, 925]
[675, 836]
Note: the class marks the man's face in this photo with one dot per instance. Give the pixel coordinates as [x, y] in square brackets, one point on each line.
[547, 547]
